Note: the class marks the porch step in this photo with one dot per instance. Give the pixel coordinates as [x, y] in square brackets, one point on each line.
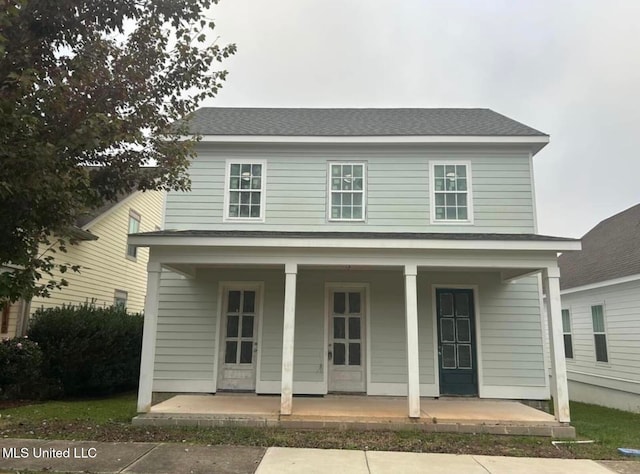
[554, 430]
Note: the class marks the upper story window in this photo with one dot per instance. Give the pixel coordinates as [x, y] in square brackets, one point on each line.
[347, 187]
[566, 334]
[244, 190]
[134, 228]
[599, 333]
[451, 199]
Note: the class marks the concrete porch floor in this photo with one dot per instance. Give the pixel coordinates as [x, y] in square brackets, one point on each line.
[357, 412]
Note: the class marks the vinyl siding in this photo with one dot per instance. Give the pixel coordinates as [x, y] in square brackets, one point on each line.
[621, 304]
[509, 323]
[508, 318]
[398, 194]
[104, 265]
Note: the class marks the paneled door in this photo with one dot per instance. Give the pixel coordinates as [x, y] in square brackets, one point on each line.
[346, 356]
[456, 342]
[239, 340]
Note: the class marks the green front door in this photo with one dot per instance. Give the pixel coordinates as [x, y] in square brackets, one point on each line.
[456, 342]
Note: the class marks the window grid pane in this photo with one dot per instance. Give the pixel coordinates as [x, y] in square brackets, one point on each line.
[245, 190]
[347, 191]
[450, 192]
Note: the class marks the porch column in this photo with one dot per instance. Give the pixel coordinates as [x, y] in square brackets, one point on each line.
[411, 316]
[559, 387]
[149, 331]
[288, 333]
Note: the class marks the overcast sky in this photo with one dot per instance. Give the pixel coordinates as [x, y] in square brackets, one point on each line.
[568, 68]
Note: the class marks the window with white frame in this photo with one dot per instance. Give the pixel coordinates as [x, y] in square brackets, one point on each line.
[450, 196]
[347, 187]
[566, 334]
[120, 298]
[245, 187]
[599, 333]
[134, 228]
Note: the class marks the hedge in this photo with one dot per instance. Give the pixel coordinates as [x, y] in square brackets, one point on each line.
[88, 350]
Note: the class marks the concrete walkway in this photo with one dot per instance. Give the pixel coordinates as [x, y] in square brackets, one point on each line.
[160, 458]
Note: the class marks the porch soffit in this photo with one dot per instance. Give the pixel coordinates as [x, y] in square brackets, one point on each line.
[354, 240]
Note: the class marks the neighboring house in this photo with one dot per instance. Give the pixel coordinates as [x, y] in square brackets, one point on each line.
[112, 272]
[377, 251]
[601, 313]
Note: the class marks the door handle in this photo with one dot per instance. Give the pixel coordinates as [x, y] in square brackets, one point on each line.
[330, 354]
[255, 347]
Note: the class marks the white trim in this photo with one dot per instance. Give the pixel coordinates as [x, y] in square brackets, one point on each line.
[142, 240]
[517, 393]
[149, 333]
[346, 285]
[263, 189]
[432, 193]
[364, 190]
[602, 284]
[607, 377]
[599, 363]
[413, 347]
[544, 334]
[171, 385]
[478, 342]
[536, 141]
[288, 338]
[223, 288]
[533, 194]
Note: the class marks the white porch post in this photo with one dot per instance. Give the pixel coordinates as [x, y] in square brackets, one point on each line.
[149, 331]
[559, 387]
[288, 335]
[411, 316]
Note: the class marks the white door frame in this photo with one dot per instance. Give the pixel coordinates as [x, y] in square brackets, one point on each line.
[223, 288]
[364, 331]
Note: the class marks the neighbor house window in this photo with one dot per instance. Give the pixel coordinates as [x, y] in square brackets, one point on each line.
[244, 195]
[134, 228]
[347, 188]
[120, 298]
[566, 333]
[599, 334]
[451, 199]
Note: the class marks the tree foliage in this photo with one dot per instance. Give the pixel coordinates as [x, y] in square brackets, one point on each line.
[99, 83]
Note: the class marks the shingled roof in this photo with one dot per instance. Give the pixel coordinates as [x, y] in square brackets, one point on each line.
[610, 250]
[355, 122]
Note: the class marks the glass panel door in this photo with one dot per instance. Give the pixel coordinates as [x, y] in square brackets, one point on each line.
[239, 340]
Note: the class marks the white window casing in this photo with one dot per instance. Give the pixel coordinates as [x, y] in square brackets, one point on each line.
[450, 192]
[599, 333]
[245, 190]
[347, 192]
[134, 227]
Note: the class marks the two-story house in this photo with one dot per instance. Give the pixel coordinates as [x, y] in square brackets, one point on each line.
[373, 251]
[111, 271]
[600, 288]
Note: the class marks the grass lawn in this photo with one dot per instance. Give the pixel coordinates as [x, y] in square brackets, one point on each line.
[109, 420]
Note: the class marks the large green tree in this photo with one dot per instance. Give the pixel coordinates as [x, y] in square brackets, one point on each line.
[89, 90]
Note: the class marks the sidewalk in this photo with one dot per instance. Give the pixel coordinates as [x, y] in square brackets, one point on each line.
[157, 458]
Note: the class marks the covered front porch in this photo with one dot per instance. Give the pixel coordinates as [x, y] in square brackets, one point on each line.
[444, 415]
[403, 286]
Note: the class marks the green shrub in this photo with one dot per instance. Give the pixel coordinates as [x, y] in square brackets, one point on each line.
[20, 369]
[88, 350]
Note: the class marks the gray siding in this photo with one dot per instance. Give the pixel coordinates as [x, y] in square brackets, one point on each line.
[622, 323]
[508, 317]
[397, 196]
[509, 322]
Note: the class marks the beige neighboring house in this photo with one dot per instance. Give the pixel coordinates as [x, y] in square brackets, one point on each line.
[111, 271]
